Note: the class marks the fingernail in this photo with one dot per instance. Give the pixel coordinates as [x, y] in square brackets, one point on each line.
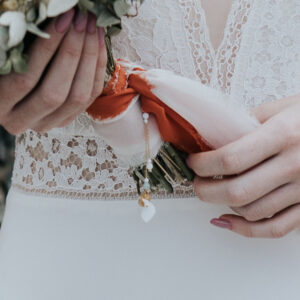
[188, 162]
[63, 22]
[101, 36]
[222, 223]
[80, 21]
[91, 28]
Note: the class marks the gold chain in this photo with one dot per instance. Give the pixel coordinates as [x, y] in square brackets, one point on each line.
[146, 188]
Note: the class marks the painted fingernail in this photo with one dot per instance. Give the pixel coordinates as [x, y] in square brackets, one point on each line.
[63, 22]
[188, 162]
[101, 34]
[80, 21]
[222, 223]
[91, 28]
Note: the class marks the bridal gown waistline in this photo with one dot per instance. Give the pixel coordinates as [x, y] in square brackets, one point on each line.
[63, 249]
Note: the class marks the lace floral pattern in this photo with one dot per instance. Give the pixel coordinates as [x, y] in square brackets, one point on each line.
[268, 64]
[257, 61]
[77, 167]
[162, 42]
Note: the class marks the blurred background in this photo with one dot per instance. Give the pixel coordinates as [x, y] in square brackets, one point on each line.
[7, 144]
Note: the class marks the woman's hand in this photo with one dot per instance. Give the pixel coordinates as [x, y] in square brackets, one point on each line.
[261, 174]
[66, 74]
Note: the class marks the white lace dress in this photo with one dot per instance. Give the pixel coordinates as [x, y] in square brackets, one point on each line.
[72, 229]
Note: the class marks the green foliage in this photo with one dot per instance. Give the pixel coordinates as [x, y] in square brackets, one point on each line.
[169, 168]
[6, 164]
[16, 61]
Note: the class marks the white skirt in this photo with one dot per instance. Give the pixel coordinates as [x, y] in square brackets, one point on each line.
[63, 249]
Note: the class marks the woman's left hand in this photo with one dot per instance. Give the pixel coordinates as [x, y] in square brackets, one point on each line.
[261, 174]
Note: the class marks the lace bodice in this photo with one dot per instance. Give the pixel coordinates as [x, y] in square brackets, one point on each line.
[257, 61]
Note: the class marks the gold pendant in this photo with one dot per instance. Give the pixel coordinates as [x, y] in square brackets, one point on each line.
[144, 196]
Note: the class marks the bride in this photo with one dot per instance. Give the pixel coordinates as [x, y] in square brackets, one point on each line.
[71, 228]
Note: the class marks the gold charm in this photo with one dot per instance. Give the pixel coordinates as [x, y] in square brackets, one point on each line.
[145, 196]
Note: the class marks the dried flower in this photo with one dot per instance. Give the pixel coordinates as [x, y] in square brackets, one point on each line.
[16, 23]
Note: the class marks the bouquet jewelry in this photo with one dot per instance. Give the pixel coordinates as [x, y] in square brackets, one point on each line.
[152, 118]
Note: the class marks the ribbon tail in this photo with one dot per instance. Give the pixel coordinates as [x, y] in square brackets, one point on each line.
[214, 115]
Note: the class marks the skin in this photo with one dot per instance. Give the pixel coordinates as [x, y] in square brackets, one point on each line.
[66, 74]
[261, 172]
[216, 19]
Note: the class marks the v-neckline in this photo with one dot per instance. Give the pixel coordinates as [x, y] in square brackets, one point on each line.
[210, 22]
[215, 51]
[214, 67]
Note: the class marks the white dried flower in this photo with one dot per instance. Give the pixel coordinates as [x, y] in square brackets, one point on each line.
[57, 7]
[42, 13]
[16, 23]
[53, 8]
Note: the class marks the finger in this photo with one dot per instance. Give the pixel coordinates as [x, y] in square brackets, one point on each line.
[101, 66]
[241, 155]
[269, 109]
[99, 77]
[271, 204]
[81, 91]
[65, 123]
[276, 227]
[41, 53]
[55, 87]
[241, 190]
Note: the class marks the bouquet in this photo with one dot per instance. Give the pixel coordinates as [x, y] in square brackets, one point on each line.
[180, 116]
[18, 18]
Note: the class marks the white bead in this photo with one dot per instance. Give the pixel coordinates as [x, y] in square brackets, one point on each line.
[145, 116]
[150, 166]
[146, 186]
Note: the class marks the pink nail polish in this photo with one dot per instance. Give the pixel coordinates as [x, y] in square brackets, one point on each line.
[101, 35]
[63, 22]
[188, 162]
[80, 21]
[222, 223]
[91, 28]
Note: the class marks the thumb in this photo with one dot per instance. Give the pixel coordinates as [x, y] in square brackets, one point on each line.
[265, 111]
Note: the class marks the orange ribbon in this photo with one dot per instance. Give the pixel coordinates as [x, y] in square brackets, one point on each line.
[119, 93]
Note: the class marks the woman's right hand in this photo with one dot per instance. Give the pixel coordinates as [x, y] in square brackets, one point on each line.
[65, 75]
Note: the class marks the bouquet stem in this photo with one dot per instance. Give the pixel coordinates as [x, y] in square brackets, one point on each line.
[111, 66]
[169, 168]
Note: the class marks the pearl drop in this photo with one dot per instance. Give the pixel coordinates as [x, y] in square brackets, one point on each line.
[145, 116]
[146, 186]
[150, 166]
